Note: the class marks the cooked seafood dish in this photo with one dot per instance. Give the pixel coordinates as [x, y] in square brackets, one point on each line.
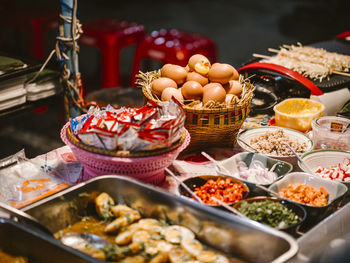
[7, 258]
[136, 239]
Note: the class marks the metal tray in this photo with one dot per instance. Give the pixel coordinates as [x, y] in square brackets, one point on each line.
[20, 240]
[238, 237]
[325, 238]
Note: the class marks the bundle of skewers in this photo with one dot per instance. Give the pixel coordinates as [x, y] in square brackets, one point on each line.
[314, 63]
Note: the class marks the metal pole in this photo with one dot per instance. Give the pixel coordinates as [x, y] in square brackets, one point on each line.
[69, 8]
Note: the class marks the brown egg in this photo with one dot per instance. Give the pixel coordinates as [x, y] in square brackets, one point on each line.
[174, 72]
[221, 73]
[158, 85]
[197, 77]
[235, 74]
[235, 88]
[216, 93]
[199, 63]
[192, 90]
[168, 93]
[211, 86]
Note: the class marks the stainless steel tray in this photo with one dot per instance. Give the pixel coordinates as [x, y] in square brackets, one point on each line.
[20, 240]
[241, 238]
[327, 236]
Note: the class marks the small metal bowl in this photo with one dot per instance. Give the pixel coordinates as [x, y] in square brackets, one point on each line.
[200, 180]
[296, 208]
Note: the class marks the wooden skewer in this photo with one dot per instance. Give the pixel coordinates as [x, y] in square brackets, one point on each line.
[273, 50]
[260, 56]
[341, 73]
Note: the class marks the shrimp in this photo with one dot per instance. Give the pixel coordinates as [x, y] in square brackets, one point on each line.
[162, 257]
[125, 237]
[122, 221]
[103, 203]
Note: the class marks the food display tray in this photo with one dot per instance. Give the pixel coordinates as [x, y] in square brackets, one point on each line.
[19, 240]
[239, 238]
[327, 236]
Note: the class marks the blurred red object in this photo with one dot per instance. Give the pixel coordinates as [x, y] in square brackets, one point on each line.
[110, 36]
[172, 46]
[344, 35]
[33, 19]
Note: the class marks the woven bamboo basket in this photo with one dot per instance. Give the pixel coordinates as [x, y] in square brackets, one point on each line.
[213, 125]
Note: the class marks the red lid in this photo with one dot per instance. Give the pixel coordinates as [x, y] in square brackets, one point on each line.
[285, 71]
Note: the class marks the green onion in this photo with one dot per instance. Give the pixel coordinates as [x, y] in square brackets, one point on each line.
[270, 213]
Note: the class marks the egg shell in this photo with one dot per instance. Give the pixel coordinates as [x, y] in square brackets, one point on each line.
[235, 88]
[229, 99]
[158, 85]
[197, 77]
[198, 106]
[192, 90]
[235, 74]
[216, 93]
[196, 59]
[211, 86]
[168, 93]
[221, 73]
[174, 72]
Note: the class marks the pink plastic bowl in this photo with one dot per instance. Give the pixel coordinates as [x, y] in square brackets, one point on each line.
[146, 169]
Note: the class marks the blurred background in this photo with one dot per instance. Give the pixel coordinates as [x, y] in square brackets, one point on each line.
[238, 29]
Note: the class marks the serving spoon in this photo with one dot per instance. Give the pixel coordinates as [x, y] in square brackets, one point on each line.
[231, 209]
[309, 170]
[183, 185]
[74, 240]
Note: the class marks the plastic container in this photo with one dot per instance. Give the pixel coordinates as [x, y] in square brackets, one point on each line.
[331, 132]
[297, 113]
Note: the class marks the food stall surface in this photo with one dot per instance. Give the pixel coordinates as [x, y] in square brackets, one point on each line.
[39, 134]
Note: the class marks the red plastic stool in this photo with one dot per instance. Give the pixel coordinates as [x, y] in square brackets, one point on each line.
[33, 19]
[172, 46]
[110, 36]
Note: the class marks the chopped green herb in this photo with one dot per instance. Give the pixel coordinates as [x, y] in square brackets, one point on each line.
[128, 218]
[162, 222]
[270, 213]
[106, 214]
[111, 252]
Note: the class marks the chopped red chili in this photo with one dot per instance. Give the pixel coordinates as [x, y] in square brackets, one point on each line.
[225, 190]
